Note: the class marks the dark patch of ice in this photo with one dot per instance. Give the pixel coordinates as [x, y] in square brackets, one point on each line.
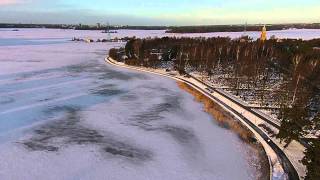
[145, 120]
[34, 146]
[180, 134]
[118, 148]
[106, 92]
[6, 100]
[170, 104]
[128, 97]
[71, 132]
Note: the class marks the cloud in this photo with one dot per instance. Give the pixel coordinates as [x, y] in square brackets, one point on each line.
[7, 2]
[160, 12]
[13, 2]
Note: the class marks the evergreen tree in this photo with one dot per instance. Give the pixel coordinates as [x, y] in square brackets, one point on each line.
[312, 160]
[129, 48]
[293, 121]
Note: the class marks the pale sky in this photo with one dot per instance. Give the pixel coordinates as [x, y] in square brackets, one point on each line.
[160, 12]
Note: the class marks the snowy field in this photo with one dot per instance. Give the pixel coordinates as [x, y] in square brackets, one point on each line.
[65, 114]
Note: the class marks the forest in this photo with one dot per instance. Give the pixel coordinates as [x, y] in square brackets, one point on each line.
[81, 26]
[278, 76]
[239, 28]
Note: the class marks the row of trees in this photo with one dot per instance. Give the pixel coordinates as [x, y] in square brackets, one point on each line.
[281, 73]
[238, 28]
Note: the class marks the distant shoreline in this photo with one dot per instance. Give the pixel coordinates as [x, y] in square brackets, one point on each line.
[170, 29]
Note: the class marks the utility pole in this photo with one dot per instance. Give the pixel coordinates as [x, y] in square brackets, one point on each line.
[108, 32]
[245, 29]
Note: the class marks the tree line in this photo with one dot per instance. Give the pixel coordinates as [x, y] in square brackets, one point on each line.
[238, 28]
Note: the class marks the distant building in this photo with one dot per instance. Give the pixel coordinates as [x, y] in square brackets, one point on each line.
[263, 36]
[245, 39]
[279, 40]
[157, 52]
[316, 48]
[88, 40]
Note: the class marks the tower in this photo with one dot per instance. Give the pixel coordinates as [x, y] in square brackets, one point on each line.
[245, 29]
[108, 32]
[263, 34]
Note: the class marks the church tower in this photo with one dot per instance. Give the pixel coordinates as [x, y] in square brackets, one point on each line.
[263, 34]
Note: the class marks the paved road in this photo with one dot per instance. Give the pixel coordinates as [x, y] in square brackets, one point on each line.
[287, 165]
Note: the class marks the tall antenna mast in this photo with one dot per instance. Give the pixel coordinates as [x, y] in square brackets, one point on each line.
[108, 32]
[245, 27]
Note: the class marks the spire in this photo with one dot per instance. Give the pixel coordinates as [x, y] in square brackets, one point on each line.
[263, 33]
[244, 34]
[108, 32]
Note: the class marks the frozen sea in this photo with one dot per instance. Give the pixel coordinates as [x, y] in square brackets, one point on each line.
[66, 114]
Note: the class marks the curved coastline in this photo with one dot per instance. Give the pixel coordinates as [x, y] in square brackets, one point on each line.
[278, 161]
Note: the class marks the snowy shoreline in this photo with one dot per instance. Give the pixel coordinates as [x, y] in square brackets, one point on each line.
[276, 167]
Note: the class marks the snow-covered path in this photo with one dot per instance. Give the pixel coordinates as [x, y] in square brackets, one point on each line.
[65, 114]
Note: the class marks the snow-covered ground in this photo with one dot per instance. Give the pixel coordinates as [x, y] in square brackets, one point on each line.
[65, 114]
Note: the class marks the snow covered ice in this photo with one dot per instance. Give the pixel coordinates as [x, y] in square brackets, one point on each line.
[66, 114]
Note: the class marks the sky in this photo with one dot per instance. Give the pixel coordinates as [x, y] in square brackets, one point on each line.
[160, 12]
